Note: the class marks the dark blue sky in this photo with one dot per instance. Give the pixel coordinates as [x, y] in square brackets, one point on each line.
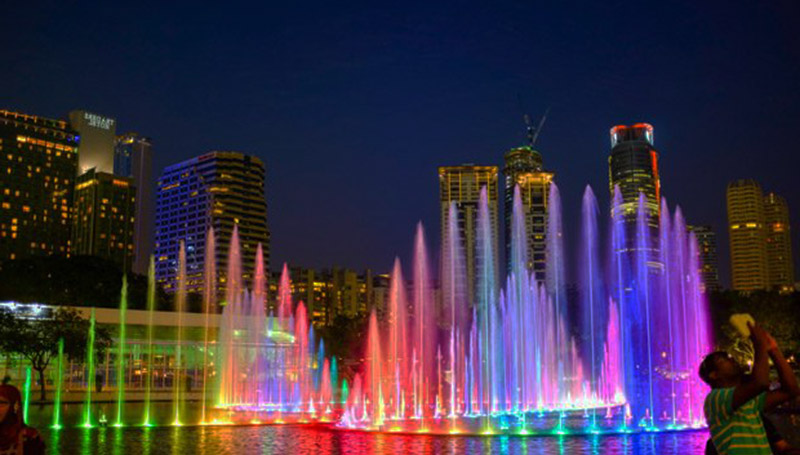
[353, 107]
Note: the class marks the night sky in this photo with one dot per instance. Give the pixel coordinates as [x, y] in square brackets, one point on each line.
[353, 107]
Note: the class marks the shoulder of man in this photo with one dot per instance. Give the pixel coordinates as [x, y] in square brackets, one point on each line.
[718, 405]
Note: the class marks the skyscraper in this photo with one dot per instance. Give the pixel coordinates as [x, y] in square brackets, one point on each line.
[707, 249]
[523, 168]
[97, 134]
[778, 243]
[104, 217]
[633, 167]
[219, 190]
[746, 228]
[133, 158]
[462, 185]
[38, 160]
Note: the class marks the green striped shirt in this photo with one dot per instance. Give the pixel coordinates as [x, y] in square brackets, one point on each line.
[739, 432]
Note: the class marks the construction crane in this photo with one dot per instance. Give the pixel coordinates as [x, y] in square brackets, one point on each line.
[533, 133]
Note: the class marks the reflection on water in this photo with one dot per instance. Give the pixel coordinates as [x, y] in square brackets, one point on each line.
[293, 439]
[290, 439]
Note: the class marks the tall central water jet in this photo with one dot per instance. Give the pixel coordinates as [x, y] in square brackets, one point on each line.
[593, 317]
[424, 327]
[486, 297]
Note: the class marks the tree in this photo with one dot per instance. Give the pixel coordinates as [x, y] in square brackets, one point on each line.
[778, 313]
[74, 281]
[37, 339]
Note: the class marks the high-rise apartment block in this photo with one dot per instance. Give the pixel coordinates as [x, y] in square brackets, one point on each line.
[219, 190]
[38, 161]
[97, 134]
[633, 167]
[778, 243]
[333, 292]
[746, 232]
[523, 169]
[104, 217]
[462, 185]
[133, 158]
[707, 250]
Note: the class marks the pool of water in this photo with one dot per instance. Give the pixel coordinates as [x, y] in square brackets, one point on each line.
[289, 439]
[296, 439]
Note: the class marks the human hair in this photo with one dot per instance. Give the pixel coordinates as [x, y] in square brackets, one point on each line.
[709, 365]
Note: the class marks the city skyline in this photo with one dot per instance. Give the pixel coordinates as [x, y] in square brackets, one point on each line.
[311, 141]
[627, 171]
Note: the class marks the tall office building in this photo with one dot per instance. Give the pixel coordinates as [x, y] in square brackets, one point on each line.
[462, 185]
[778, 243]
[633, 167]
[38, 161]
[97, 134]
[219, 189]
[133, 158]
[523, 168]
[746, 228]
[104, 217]
[707, 250]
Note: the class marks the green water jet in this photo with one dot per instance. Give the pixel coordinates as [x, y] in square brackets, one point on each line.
[123, 309]
[151, 299]
[180, 302]
[87, 408]
[26, 394]
[59, 379]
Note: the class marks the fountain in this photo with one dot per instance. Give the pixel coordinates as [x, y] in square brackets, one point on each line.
[269, 369]
[513, 359]
[514, 362]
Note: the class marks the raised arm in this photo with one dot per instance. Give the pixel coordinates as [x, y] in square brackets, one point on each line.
[759, 384]
[789, 388]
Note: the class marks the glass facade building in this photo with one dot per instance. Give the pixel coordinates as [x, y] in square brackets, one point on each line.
[219, 190]
[133, 158]
[633, 167]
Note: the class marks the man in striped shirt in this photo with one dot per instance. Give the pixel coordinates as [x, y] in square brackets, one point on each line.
[733, 407]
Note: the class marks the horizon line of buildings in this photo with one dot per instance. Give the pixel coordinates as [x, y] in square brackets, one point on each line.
[75, 187]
